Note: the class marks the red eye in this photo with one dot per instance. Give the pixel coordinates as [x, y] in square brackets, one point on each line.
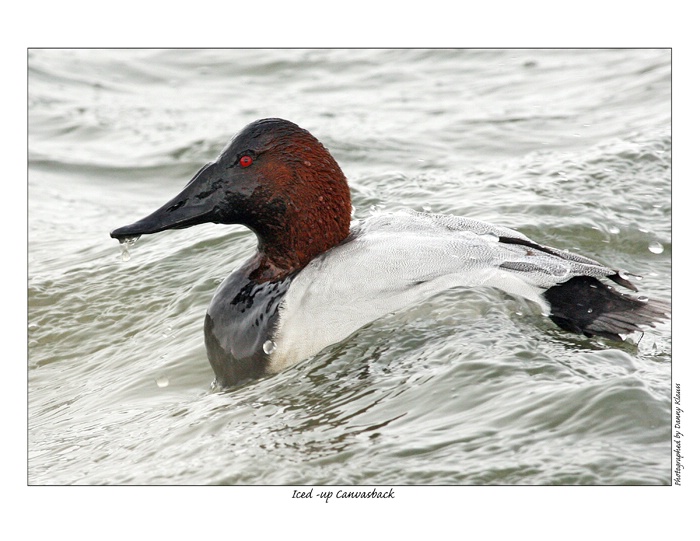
[245, 161]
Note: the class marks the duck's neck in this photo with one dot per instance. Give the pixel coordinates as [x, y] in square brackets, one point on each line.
[273, 264]
[286, 249]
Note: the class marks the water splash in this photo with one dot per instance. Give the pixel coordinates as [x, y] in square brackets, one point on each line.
[656, 247]
[626, 275]
[125, 243]
[559, 271]
[269, 346]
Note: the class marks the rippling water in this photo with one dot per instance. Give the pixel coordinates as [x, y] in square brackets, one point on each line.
[573, 148]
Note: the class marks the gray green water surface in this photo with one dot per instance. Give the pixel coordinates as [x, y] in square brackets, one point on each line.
[571, 147]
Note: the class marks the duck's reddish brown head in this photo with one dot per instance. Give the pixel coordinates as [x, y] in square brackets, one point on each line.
[275, 178]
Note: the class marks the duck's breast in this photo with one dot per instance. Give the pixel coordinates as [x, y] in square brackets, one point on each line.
[239, 326]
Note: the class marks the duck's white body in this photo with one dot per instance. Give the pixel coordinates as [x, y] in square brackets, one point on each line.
[392, 261]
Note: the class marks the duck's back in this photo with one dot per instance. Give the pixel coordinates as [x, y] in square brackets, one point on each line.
[396, 260]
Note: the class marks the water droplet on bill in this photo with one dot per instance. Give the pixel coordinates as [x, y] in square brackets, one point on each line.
[125, 243]
[162, 382]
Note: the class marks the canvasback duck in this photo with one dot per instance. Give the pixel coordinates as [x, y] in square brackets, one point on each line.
[315, 278]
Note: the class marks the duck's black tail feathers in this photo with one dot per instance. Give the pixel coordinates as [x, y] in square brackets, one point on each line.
[586, 305]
